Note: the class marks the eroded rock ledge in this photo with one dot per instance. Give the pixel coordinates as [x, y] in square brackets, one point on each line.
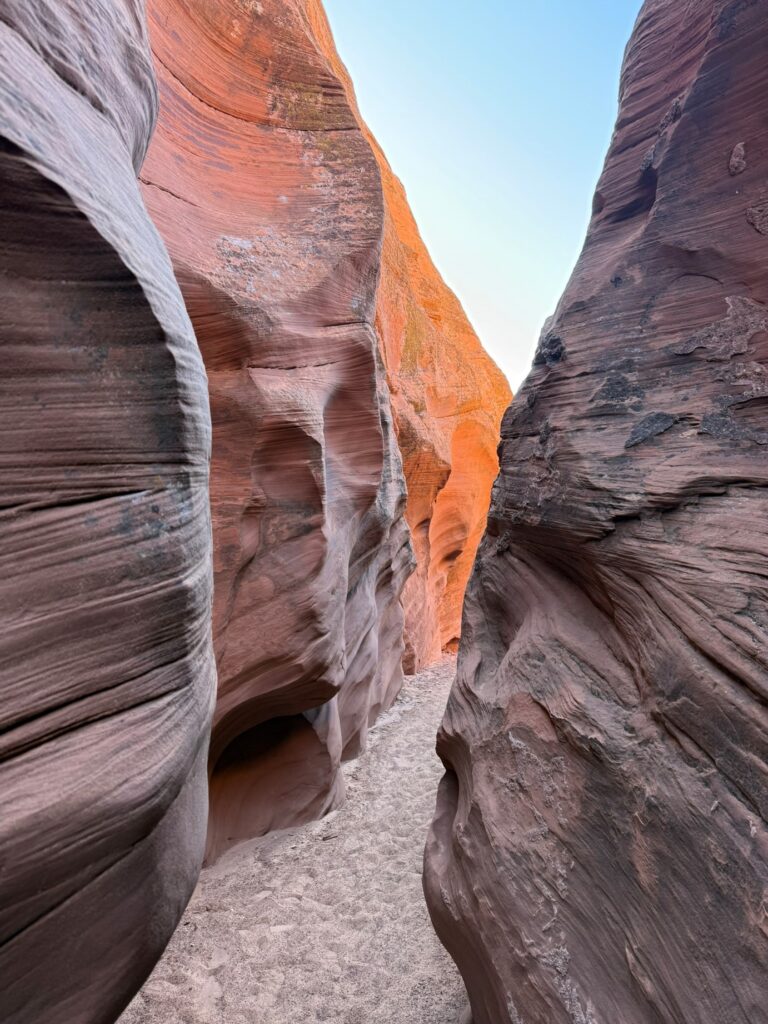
[599, 851]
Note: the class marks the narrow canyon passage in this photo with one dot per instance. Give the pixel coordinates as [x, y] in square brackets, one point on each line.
[326, 922]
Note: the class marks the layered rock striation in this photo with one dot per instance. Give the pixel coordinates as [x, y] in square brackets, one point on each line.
[269, 199]
[106, 667]
[599, 851]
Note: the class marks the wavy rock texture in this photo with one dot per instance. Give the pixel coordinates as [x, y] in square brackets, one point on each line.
[448, 398]
[106, 668]
[269, 199]
[599, 851]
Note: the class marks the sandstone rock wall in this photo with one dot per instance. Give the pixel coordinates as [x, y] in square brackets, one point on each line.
[448, 398]
[599, 851]
[267, 188]
[269, 199]
[106, 668]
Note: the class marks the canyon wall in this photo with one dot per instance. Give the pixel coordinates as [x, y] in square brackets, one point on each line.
[299, 273]
[106, 667]
[269, 199]
[448, 398]
[599, 851]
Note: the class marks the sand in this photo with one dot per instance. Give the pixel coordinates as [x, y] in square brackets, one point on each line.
[326, 922]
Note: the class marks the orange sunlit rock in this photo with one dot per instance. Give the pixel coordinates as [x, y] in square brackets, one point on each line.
[448, 398]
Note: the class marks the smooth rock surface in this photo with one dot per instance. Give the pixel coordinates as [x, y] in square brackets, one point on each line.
[599, 852]
[106, 667]
[269, 199]
[326, 922]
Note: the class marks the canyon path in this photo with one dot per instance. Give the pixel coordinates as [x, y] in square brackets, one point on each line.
[326, 922]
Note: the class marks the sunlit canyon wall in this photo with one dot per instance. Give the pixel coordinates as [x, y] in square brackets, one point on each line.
[448, 398]
[300, 273]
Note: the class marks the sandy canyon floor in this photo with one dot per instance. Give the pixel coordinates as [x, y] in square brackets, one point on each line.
[326, 922]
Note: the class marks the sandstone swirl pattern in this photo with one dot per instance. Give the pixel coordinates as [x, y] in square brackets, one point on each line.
[599, 851]
[269, 199]
[106, 668]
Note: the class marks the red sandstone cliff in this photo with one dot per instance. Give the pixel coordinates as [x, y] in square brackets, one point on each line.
[268, 191]
[448, 398]
[599, 851]
[269, 199]
[106, 668]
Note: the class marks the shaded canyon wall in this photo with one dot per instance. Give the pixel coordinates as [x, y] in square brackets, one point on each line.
[106, 667]
[599, 851]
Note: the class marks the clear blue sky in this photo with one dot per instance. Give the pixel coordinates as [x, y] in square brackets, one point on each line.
[496, 115]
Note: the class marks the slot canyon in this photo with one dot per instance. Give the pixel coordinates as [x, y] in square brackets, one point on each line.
[337, 684]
